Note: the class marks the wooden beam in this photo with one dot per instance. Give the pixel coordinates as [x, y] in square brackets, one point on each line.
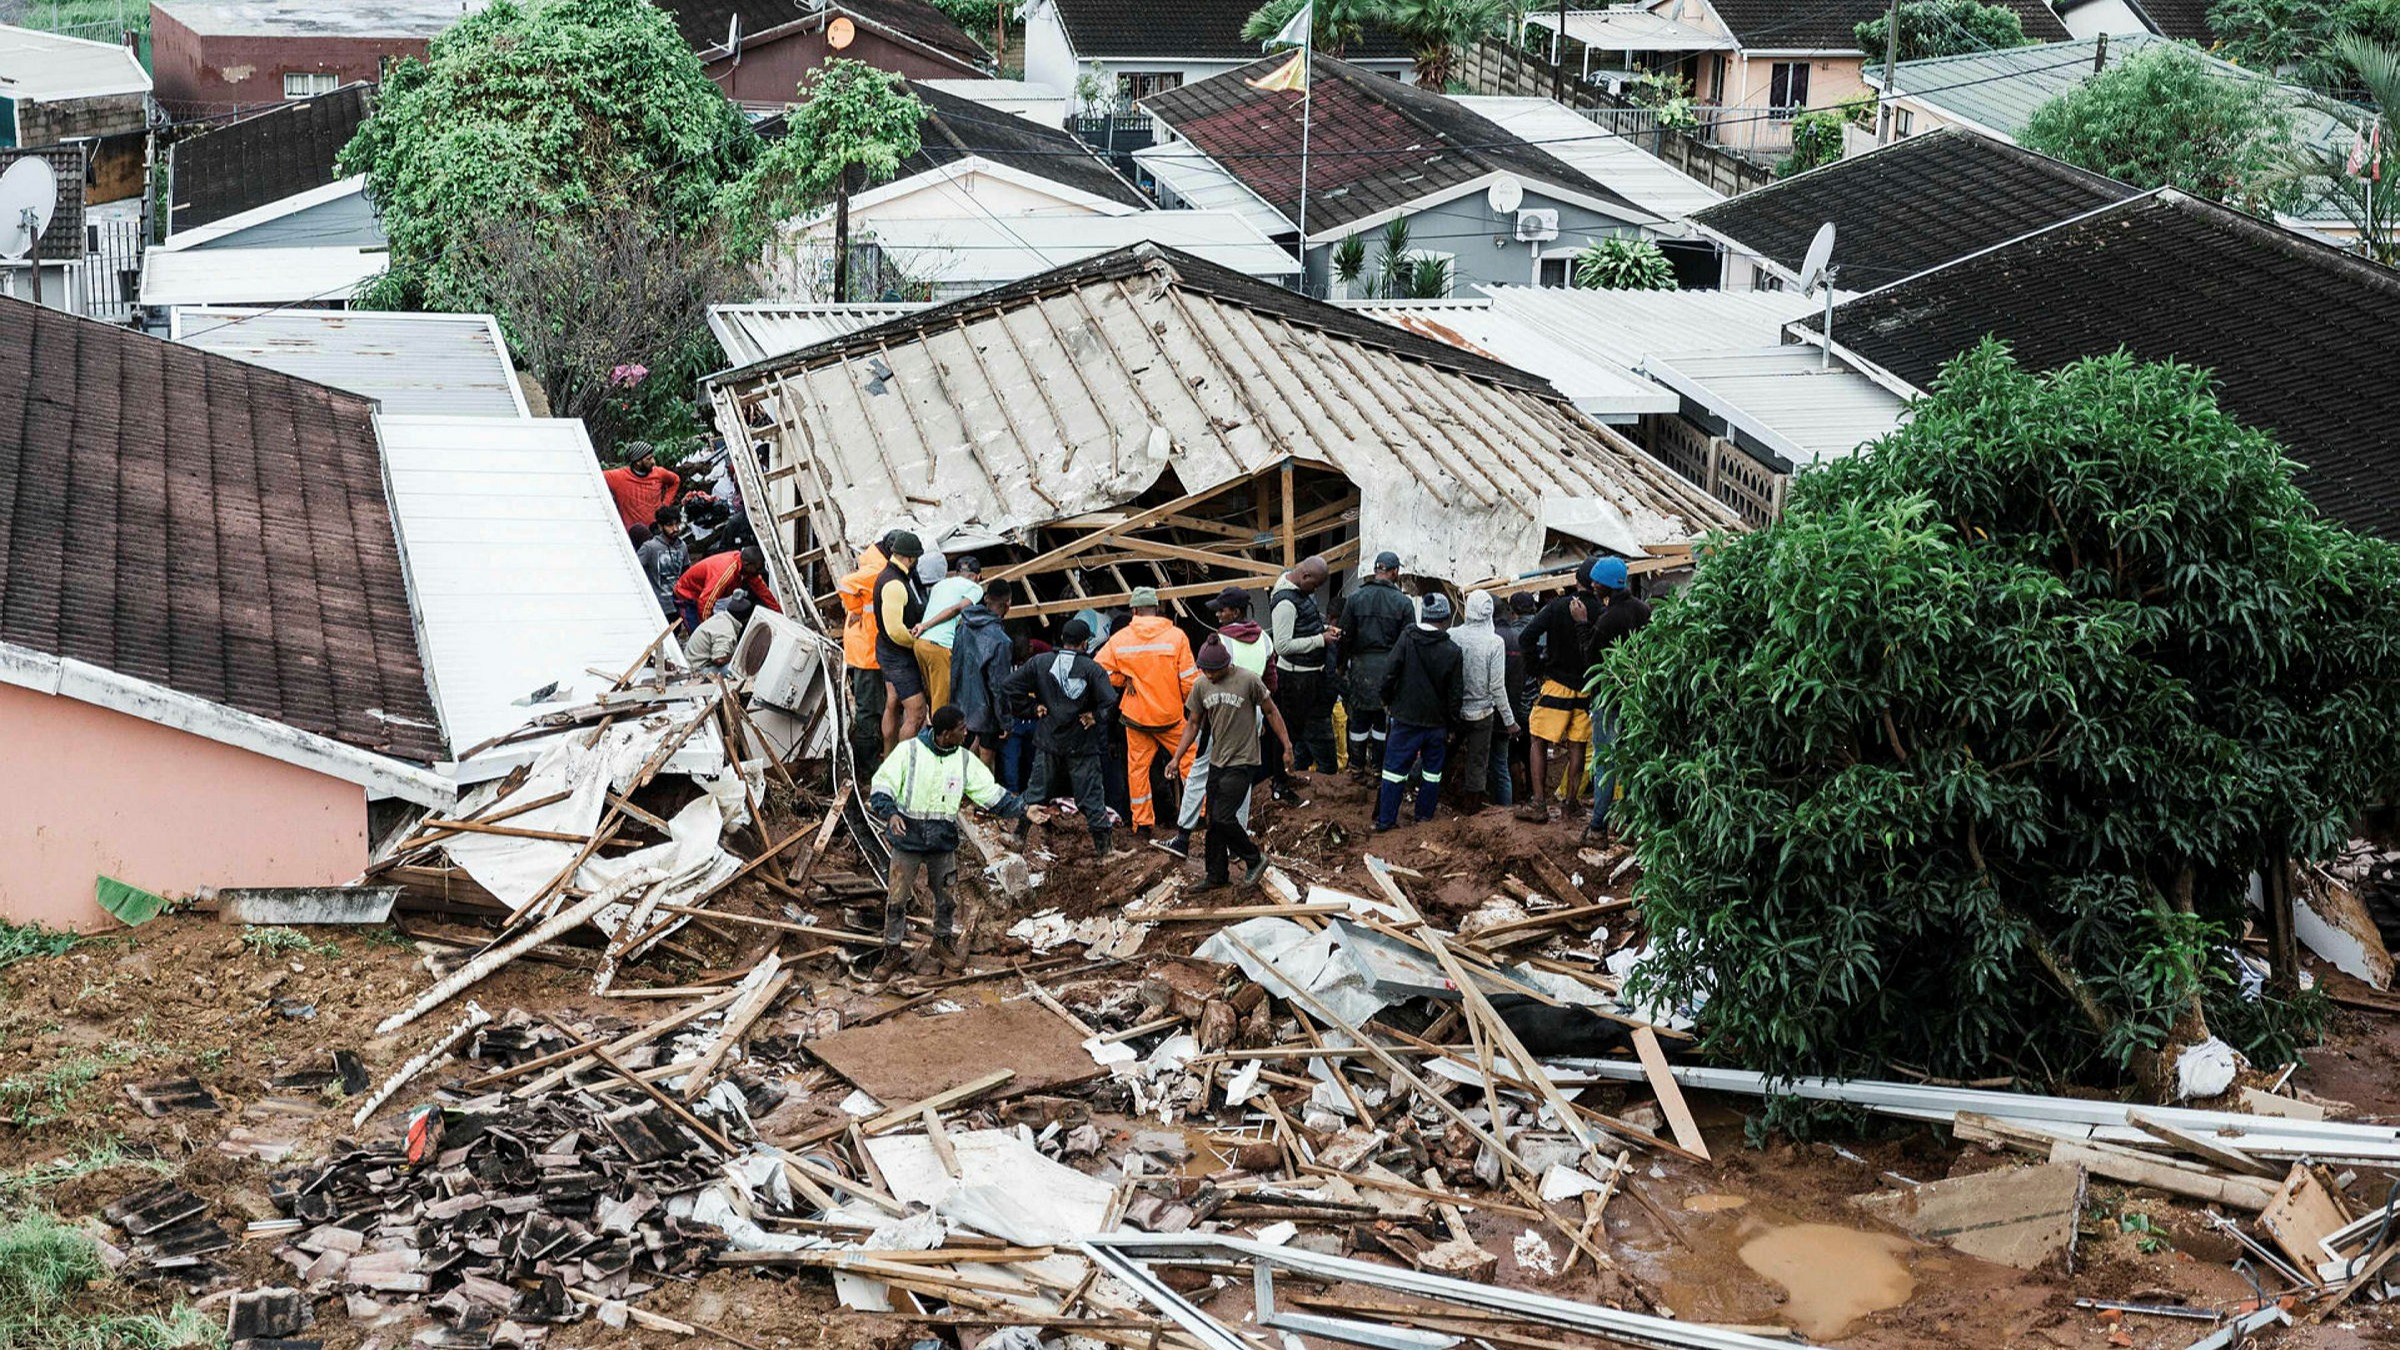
[1152, 548]
[1072, 604]
[1046, 561]
[1291, 539]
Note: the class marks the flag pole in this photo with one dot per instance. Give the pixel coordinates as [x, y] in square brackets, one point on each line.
[1308, 90]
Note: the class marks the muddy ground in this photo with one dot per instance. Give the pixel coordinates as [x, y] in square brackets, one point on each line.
[1763, 1237]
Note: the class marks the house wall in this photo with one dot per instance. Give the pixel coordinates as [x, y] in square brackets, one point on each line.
[769, 72]
[1482, 246]
[1052, 60]
[966, 194]
[120, 124]
[344, 220]
[156, 807]
[195, 74]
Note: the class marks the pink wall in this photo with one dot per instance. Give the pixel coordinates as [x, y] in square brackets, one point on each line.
[96, 791]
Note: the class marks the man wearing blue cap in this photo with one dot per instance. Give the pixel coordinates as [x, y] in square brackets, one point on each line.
[1622, 613]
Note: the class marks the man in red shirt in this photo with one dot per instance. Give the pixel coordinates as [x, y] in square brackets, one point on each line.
[713, 578]
[640, 486]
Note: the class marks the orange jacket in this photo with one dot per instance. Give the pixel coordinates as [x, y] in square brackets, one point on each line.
[638, 496]
[709, 580]
[1151, 660]
[858, 609]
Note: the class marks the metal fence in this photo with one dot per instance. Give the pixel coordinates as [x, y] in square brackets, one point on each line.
[112, 269]
[1719, 151]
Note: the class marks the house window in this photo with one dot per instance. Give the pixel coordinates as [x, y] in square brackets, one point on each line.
[309, 83]
[1558, 271]
[1716, 78]
[1904, 123]
[1787, 87]
[1141, 84]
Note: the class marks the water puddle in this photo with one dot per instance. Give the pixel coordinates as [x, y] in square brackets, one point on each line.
[1832, 1275]
[1713, 1204]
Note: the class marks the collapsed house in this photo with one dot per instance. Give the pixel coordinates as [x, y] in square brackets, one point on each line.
[1145, 418]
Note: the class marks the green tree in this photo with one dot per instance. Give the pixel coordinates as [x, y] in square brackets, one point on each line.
[2167, 118]
[1622, 264]
[1435, 30]
[1335, 24]
[1930, 28]
[853, 121]
[1816, 140]
[1963, 765]
[2359, 179]
[2298, 39]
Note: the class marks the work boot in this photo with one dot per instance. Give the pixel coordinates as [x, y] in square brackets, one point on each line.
[1106, 851]
[1285, 796]
[1256, 870]
[950, 953]
[1533, 813]
[1180, 845]
[888, 964]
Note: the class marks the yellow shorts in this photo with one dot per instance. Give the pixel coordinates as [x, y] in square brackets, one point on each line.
[1560, 714]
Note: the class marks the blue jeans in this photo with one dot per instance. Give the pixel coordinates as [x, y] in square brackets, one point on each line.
[1409, 746]
[1497, 783]
[1016, 754]
[1603, 766]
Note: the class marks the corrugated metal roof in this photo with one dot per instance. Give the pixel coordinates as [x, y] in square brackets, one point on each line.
[1619, 328]
[1782, 398]
[50, 67]
[1205, 185]
[1611, 160]
[979, 252]
[1604, 389]
[1630, 28]
[408, 363]
[753, 333]
[1078, 390]
[520, 571]
[257, 276]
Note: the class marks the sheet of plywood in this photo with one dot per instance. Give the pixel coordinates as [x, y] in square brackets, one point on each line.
[909, 1059]
[1670, 1096]
[2017, 1216]
[2301, 1213]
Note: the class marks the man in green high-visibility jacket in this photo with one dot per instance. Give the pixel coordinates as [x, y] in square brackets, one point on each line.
[916, 796]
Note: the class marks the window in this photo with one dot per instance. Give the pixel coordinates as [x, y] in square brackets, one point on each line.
[1904, 123]
[309, 83]
[1787, 87]
[1139, 84]
[1716, 78]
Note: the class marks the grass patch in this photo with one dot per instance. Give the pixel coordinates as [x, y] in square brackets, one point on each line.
[44, 1098]
[30, 942]
[100, 1155]
[280, 941]
[44, 1266]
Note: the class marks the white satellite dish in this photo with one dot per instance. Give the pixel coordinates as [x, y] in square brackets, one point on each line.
[1505, 194]
[1820, 252]
[28, 196]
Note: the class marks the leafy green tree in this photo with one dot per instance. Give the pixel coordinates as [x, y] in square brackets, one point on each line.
[853, 122]
[1816, 140]
[1622, 264]
[2167, 118]
[1930, 28]
[1335, 24]
[1435, 30]
[1963, 764]
[2298, 39]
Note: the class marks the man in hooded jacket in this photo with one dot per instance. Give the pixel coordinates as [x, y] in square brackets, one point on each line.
[980, 667]
[1373, 618]
[1483, 707]
[1073, 699]
[1422, 690]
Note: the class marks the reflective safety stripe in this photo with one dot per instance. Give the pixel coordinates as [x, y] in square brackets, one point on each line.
[1430, 778]
[1391, 777]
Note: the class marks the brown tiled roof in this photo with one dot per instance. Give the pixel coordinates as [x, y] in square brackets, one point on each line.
[1826, 25]
[207, 525]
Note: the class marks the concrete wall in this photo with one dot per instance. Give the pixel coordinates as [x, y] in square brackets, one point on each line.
[194, 74]
[105, 793]
[1483, 246]
[769, 72]
[120, 124]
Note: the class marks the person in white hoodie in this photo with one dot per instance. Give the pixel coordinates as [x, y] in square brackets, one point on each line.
[1484, 710]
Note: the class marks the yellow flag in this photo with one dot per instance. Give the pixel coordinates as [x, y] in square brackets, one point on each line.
[1290, 77]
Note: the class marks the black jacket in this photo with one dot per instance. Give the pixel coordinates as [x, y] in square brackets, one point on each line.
[1565, 644]
[1060, 730]
[1423, 687]
[1373, 618]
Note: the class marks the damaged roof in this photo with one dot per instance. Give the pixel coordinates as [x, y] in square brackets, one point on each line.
[1078, 389]
[279, 153]
[210, 526]
[2296, 331]
[1899, 210]
[1375, 144]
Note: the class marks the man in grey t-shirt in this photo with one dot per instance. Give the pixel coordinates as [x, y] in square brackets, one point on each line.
[1226, 705]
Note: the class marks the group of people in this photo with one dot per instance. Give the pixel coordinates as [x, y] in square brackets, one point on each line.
[1120, 712]
[710, 597]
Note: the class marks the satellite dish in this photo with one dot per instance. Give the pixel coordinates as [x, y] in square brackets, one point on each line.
[1820, 252]
[841, 32]
[28, 194]
[1505, 194]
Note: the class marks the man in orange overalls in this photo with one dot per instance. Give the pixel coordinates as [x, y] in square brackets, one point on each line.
[1150, 661]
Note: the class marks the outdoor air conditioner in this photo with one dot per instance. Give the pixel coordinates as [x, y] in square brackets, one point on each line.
[1537, 226]
[779, 658]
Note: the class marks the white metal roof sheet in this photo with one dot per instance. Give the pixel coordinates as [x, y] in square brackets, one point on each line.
[1630, 28]
[1784, 398]
[48, 67]
[1621, 327]
[410, 364]
[315, 18]
[1610, 159]
[987, 251]
[257, 276]
[751, 333]
[1602, 388]
[1204, 185]
[520, 571]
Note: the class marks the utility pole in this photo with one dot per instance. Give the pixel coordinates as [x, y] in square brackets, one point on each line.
[1558, 57]
[1891, 85]
[841, 237]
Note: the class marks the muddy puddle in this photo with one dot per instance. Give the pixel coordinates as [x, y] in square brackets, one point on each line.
[1713, 1204]
[1831, 1276]
[1743, 1264]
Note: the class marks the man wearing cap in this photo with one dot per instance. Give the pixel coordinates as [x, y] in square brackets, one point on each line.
[1072, 699]
[1373, 618]
[857, 592]
[1250, 649]
[1423, 691]
[948, 598]
[1622, 614]
[899, 603]
[710, 580]
[711, 649]
[915, 794]
[1297, 626]
[1228, 705]
[1150, 661]
[1561, 721]
[1484, 713]
[638, 486]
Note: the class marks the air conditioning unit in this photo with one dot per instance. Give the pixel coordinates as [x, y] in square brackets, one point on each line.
[1537, 226]
[779, 656]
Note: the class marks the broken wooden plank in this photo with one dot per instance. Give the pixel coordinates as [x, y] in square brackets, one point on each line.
[1670, 1096]
[2223, 1155]
[940, 1101]
[303, 905]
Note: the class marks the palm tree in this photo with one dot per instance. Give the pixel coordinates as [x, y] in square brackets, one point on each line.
[2365, 196]
[1436, 30]
[1337, 23]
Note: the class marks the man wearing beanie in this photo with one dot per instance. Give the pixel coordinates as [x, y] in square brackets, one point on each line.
[1228, 705]
[1422, 691]
[1073, 699]
[899, 603]
[638, 486]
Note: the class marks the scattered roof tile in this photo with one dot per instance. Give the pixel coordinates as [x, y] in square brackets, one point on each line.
[279, 153]
[207, 525]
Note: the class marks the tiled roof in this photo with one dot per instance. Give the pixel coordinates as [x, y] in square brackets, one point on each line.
[207, 525]
[1373, 143]
[2296, 331]
[1909, 206]
[277, 154]
[955, 128]
[705, 24]
[1826, 25]
[1198, 30]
